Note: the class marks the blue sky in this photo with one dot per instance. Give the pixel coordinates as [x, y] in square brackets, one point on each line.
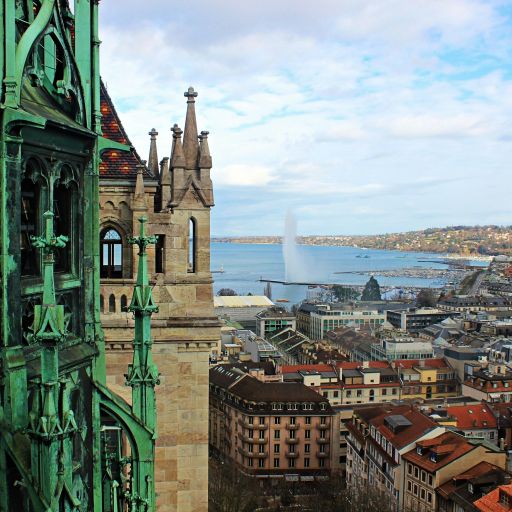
[361, 116]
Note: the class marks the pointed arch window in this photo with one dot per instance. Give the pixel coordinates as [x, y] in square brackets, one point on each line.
[192, 236]
[111, 254]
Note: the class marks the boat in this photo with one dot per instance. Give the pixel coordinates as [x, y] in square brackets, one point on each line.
[282, 300]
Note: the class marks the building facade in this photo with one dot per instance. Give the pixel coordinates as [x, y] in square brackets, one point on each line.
[269, 429]
[175, 196]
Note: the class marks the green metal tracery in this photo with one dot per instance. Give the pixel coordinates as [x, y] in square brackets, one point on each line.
[67, 443]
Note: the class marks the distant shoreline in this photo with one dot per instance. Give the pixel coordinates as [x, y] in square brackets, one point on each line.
[444, 255]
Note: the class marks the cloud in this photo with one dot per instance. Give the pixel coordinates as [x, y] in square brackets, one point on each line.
[340, 108]
[240, 175]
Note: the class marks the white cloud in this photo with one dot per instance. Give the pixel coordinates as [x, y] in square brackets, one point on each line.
[241, 175]
[320, 103]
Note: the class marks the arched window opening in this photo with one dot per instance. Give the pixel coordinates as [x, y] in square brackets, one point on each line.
[111, 254]
[62, 225]
[30, 199]
[102, 304]
[192, 233]
[112, 304]
[124, 303]
[372, 395]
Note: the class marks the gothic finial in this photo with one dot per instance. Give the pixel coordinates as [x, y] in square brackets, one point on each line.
[153, 154]
[139, 197]
[190, 142]
[177, 156]
[191, 95]
[205, 159]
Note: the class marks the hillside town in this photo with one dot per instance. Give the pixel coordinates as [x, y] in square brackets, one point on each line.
[460, 240]
[395, 405]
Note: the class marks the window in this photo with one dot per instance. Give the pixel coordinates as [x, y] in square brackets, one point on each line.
[292, 420]
[335, 394]
[250, 419]
[111, 254]
[112, 304]
[409, 485]
[429, 497]
[423, 476]
[323, 420]
[308, 420]
[261, 463]
[160, 254]
[249, 462]
[29, 227]
[307, 448]
[276, 463]
[124, 303]
[422, 494]
[262, 434]
[409, 468]
[262, 420]
[415, 490]
[276, 448]
[416, 472]
[261, 448]
[277, 420]
[307, 434]
[349, 393]
[321, 463]
[359, 393]
[306, 462]
[192, 234]
[291, 463]
[277, 434]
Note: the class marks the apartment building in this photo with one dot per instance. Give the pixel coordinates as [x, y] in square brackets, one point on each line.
[414, 320]
[272, 320]
[492, 383]
[433, 462]
[427, 378]
[327, 317]
[460, 493]
[377, 440]
[269, 429]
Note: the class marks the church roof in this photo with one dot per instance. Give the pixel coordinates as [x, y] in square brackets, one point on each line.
[117, 164]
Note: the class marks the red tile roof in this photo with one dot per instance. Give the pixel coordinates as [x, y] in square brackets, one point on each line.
[491, 502]
[449, 447]
[114, 163]
[352, 365]
[472, 416]
[479, 470]
[292, 368]
[426, 363]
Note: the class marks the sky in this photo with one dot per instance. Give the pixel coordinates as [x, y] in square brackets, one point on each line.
[360, 116]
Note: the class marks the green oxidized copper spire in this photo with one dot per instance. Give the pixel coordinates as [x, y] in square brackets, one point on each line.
[49, 317]
[143, 373]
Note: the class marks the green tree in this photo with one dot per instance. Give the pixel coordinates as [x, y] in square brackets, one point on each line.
[371, 290]
[426, 298]
[343, 293]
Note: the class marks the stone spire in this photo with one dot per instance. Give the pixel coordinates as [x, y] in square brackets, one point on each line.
[177, 155]
[153, 153]
[165, 182]
[139, 198]
[205, 159]
[190, 142]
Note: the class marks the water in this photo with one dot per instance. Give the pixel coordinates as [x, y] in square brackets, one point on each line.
[244, 264]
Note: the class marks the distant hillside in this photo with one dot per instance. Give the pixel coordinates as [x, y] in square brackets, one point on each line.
[467, 240]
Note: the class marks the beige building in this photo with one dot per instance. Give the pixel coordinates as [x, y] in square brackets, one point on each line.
[175, 195]
[269, 429]
[433, 462]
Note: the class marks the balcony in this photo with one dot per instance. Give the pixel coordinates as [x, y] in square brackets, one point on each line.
[252, 440]
[292, 426]
[322, 440]
[322, 455]
[292, 455]
[322, 426]
[254, 426]
[253, 455]
[293, 440]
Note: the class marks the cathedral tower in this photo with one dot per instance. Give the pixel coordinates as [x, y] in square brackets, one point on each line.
[176, 196]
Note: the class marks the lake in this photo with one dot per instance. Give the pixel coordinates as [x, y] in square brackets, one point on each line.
[245, 264]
